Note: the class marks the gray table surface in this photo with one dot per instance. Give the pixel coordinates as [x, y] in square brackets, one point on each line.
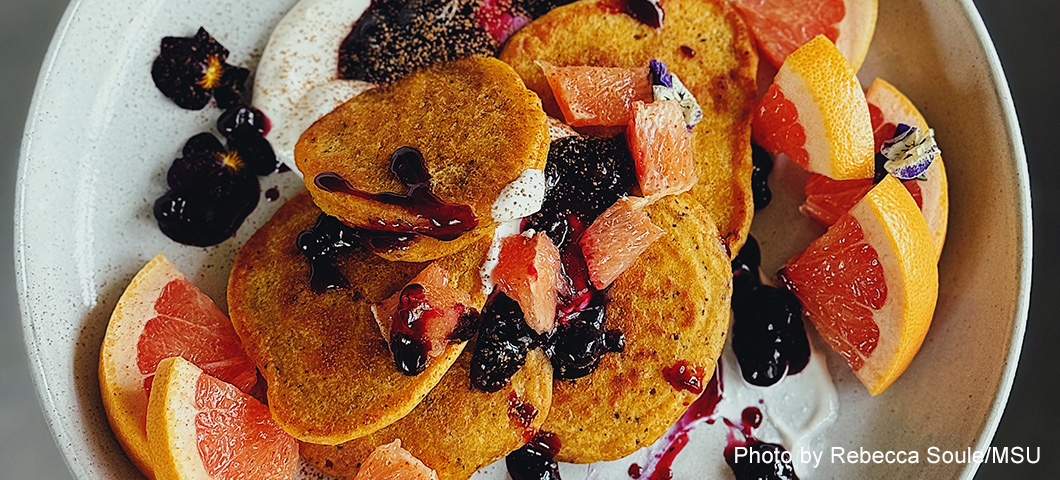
[1024, 32]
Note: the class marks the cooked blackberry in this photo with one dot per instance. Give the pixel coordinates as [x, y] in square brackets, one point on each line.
[206, 217]
[587, 175]
[504, 339]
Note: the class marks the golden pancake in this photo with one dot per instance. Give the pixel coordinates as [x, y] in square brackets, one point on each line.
[455, 430]
[704, 42]
[673, 306]
[475, 123]
[330, 375]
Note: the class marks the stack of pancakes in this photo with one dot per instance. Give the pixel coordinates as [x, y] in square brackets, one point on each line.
[480, 122]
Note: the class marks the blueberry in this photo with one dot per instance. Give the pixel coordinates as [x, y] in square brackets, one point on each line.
[580, 340]
[242, 119]
[504, 340]
[745, 271]
[747, 470]
[762, 165]
[328, 237]
[209, 216]
[536, 459]
[769, 338]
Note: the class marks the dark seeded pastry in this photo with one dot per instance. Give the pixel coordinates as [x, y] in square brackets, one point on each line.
[672, 306]
[473, 121]
[330, 374]
[456, 430]
[705, 43]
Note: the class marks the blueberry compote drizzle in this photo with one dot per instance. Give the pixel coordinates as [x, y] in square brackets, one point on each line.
[328, 237]
[648, 12]
[504, 339]
[536, 460]
[776, 468]
[768, 337]
[660, 464]
[684, 376]
[584, 176]
[443, 221]
[762, 165]
[522, 414]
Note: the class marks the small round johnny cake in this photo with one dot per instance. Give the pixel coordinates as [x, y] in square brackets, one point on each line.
[331, 376]
[705, 43]
[428, 165]
[672, 306]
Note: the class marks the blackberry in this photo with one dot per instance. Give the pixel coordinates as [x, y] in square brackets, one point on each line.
[504, 340]
[762, 165]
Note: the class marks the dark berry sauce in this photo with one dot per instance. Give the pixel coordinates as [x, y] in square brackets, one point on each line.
[660, 464]
[684, 376]
[536, 460]
[522, 414]
[408, 338]
[584, 176]
[648, 12]
[745, 271]
[504, 339]
[442, 220]
[762, 165]
[768, 336]
[327, 238]
[634, 471]
[758, 460]
[272, 194]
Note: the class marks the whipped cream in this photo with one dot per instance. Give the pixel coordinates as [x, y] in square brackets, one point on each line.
[301, 55]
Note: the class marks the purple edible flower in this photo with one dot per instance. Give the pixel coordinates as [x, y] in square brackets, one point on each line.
[191, 70]
[659, 74]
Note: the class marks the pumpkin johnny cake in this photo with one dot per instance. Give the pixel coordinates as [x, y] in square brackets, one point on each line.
[424, 175]
[705, 43]
[307, 323]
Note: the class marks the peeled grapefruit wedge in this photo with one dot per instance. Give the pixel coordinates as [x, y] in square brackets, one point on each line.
[202, 428]
[782, 26]
[161, 315]
[815, 112]
[662, 148]
[528, 270]
[870, 283]
[597, 96]
[391, 462]
[827, 199]
[615, 239]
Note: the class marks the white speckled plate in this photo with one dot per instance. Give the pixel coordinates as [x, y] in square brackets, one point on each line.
[99, 139]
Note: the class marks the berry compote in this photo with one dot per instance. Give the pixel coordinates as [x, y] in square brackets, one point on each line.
[504, 339]
[536, 460]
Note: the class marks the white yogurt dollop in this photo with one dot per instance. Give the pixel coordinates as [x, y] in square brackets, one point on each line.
[521, 198]
[302, 56]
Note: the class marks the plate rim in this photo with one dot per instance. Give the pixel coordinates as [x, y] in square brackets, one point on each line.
[1000, 86]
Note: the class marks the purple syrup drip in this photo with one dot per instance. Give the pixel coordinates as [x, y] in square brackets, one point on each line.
[648, 12]
[444, 221]
[742, 436]
[660, 465]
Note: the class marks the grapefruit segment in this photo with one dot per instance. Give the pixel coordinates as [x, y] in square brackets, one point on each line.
[828, 199]
[428, 307]
[661, 145]
[591, 96]
[202, 428]
[614, 241]
[782, 26]
[529, 271]
[870, 283]
[391, 462]
[816, 113]
[160, 315]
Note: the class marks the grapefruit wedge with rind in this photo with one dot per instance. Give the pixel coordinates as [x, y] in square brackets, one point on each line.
[827, 199]
[870, 283]
[782, 26]
[202, 428]
[815, 112]
[161, 314]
